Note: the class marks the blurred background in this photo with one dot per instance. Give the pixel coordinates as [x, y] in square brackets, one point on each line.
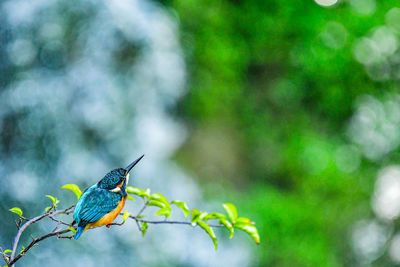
[288, 109]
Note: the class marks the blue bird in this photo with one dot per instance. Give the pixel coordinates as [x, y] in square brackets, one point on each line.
[101, 203]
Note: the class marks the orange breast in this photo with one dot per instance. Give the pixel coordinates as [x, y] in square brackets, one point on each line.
[109, 217]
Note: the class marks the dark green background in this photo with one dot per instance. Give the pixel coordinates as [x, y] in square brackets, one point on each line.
[268, 107]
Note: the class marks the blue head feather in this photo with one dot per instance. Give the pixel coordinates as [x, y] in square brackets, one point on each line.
[112, 179]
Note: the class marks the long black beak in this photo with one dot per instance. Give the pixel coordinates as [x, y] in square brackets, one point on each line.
[129, 168]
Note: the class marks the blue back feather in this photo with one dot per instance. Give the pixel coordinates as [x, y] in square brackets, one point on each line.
[79, 231]
[93, 205]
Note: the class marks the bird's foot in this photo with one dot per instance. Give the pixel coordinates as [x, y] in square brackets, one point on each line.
[108, 225]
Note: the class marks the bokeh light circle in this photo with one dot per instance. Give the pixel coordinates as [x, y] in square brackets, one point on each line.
[326, 2]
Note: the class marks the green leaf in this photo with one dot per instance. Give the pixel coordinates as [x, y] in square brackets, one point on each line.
[47, 209]
[160, 198]
[74, 188]
[195, 215]
[209, 231]
[145, 226]
[147, 192]
[214, 215]
[198, 215]
[166, 211]
[137, 191]
[160, 201]
[133, 190]
[7, 251]
[250, 229]
[16, 210]
[22, 249]
[203, 215]
[131, 198]
[228, 226]
[72, 229]
[156, 203]
[231, 211]
[182, 205]
[244, 220]
[222, 220]
[126, 216]
[54, 200]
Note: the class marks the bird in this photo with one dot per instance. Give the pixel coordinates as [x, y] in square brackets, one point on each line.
[101, 203]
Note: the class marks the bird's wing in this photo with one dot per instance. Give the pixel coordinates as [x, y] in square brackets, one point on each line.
[97, 203]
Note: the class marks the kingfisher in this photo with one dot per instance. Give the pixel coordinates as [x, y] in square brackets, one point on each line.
[101, 203]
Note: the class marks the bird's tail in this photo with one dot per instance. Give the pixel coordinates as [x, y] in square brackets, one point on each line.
[79, 231]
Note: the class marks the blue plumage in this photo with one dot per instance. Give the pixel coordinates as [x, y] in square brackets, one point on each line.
[102, 199]
[93, 205]
[79, 231]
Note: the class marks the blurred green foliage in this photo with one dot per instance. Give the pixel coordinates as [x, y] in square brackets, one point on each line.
[272, 87]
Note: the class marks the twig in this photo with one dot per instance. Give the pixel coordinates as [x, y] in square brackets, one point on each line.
[144, 207]
[30, 222]
[59, 221]
[37, 240]
[139, 213]
[172, 222]
[139, 226]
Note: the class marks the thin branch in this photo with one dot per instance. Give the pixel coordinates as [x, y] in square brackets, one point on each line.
[35, 241]
[172, 222]
[161, 222]
[144, 207]
[139, 213]
[59, 221]
[139, 226]
[30, 222]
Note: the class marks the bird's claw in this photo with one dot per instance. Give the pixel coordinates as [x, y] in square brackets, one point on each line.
[108, 225]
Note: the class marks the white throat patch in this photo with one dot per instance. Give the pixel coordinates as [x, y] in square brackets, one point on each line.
[116, 190]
